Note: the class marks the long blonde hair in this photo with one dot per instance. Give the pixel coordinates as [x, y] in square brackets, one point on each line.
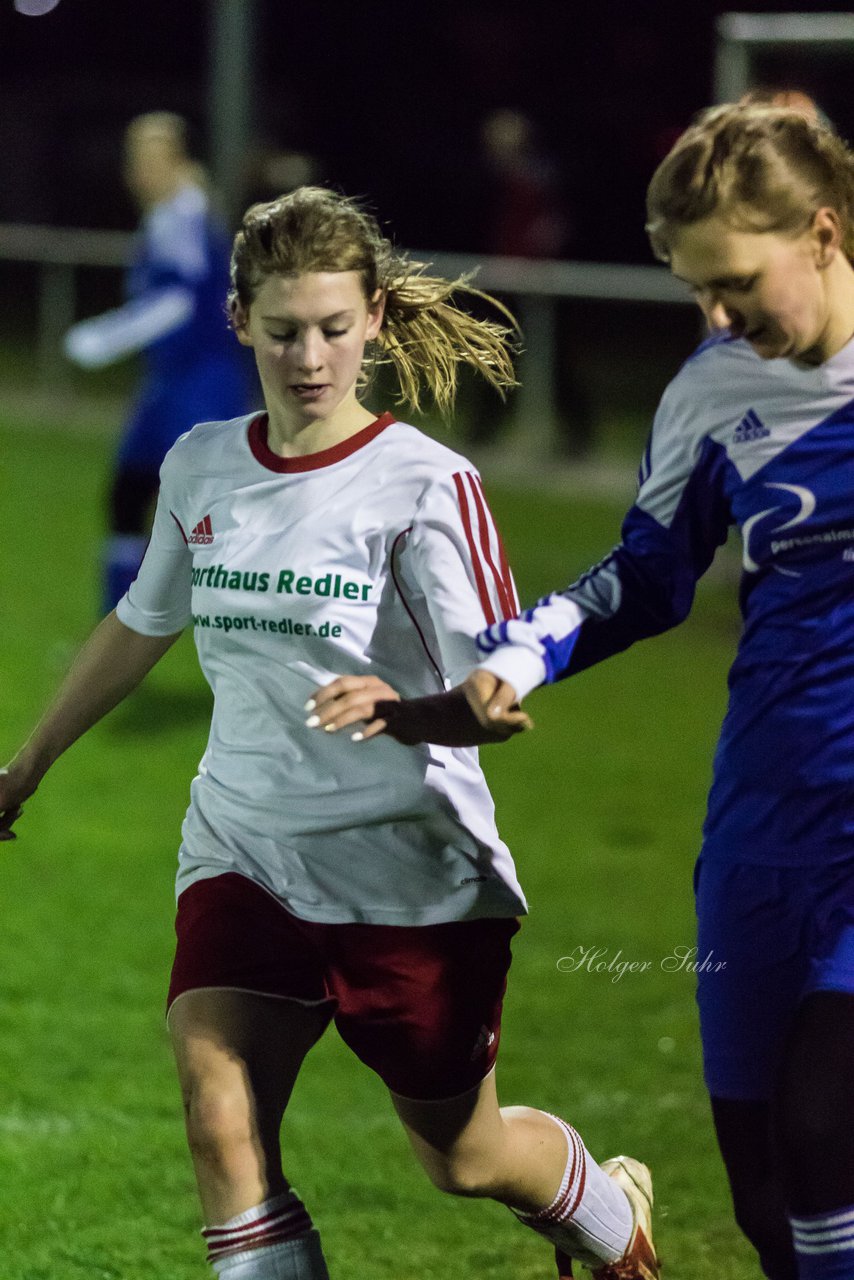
[424, 335]
[762, 168]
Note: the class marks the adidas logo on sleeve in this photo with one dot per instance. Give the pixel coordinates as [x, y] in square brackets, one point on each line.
[202, 535]
[750, 428]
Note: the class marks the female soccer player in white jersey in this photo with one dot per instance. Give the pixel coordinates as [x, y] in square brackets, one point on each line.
[312, 541]
[754, 208]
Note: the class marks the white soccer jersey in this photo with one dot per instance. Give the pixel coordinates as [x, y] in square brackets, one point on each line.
[378, 556]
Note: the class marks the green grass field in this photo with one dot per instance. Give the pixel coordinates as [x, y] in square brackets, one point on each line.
[602, 807]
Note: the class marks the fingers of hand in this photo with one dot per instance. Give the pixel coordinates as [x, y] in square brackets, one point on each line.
[349, 684]
[371, 730]
[329, 692]
[489, 697]
[347, 710]
[496, 705]
[479, 688]
[504, 702]
[509, 722]
[347, 701]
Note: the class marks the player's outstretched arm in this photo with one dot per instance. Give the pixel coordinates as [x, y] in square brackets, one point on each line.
[480, 711]
[110, 665]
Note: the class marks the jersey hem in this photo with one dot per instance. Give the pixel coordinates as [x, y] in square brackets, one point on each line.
[437, 914]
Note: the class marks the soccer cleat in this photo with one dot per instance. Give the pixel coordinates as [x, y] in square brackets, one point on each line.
[564, 1265]
[639, 1261]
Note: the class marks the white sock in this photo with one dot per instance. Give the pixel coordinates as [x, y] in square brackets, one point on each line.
[275, 1240]
[590, 1218]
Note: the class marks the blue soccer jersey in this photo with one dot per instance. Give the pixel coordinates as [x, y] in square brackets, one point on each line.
[767, 445]
[193, 367]
[182, 254]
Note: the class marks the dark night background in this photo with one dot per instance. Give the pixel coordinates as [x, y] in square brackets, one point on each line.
[389, 98]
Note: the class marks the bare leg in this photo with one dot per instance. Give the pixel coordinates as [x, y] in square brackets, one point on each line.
[238, 1056]
[470, 1146]
[538, 1166]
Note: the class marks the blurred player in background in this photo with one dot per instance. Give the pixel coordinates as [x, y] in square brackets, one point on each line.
[754, 208]
[525, 213]
[192, 366]
[315, 883]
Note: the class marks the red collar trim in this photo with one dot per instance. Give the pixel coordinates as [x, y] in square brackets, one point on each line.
[262, 452]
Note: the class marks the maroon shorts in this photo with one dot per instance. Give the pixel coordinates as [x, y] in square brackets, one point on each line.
[420, 1005]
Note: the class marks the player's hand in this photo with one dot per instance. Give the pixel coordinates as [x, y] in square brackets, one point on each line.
[15, 787]
[84, 346]
[352, 700]
[495, 705]
[480, 711]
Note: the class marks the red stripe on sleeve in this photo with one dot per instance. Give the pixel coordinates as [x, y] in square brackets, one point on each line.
[479, 578]
[506, 573]
[487, 523]
[178, 522]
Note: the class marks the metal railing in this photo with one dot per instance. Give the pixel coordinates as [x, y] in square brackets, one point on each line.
[536, 287]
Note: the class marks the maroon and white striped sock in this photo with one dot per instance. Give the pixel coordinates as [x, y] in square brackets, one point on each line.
[275, 1240]
[590, 1218]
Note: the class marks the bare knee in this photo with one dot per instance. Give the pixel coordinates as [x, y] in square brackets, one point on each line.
[220, 1127]
[460, 1173]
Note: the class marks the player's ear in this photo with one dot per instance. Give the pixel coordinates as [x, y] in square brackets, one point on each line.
[376, 311]
[827, 235]
[240, 323]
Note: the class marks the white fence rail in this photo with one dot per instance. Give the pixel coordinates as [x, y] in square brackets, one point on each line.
[535, 286]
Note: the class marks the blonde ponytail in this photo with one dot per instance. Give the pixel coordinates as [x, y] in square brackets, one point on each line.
[425, 335]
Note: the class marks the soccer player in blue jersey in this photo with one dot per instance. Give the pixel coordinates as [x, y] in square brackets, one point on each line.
[193, 368]
[754, 209]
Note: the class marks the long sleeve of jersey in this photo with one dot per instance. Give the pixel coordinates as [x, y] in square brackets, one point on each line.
[163, 296]
[159, 601]
[646, 584]
[455, 561]
[92, 344]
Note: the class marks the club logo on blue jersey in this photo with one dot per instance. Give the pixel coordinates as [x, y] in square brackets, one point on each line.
[750, 428]
[805, 497]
